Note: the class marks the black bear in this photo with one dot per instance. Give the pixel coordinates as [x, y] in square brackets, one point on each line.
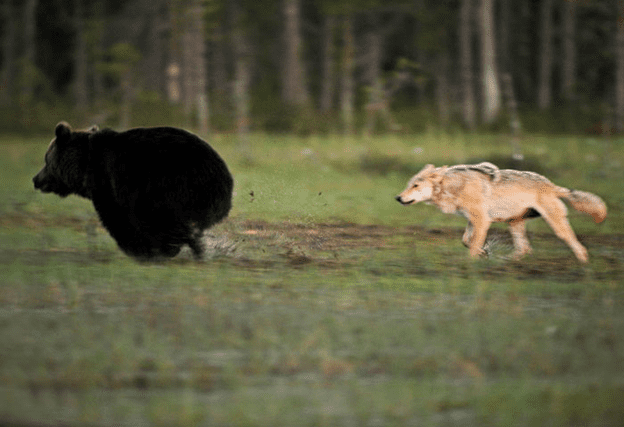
[154, 189]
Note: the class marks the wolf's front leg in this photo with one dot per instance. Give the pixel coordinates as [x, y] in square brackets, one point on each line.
[479, 233]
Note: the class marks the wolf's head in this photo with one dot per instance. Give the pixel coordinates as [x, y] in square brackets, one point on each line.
[421, 187]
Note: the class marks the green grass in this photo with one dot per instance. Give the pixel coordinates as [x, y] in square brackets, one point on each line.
[323, 302]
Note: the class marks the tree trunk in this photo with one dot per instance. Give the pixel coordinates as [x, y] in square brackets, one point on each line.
[175, 57]
[188, 69]
[544, 96]
[219, 69]
[520, 63]
[328, 81]
[28, 71]
[294, 89]
[153, 66]
[465, 45]
[194, 66]
[372, 73]
[346, 78]
[619, 73]
[504, 26]
[80, 65]
[9, 36]
[442, 87]
[199, 49]
[99, 92]
[420, 56]
[125, 113]
[491, 86]
[514, 118]
[568, 71]
[242, 52]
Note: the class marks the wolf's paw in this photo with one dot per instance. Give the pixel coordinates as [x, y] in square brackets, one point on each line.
[479, 252]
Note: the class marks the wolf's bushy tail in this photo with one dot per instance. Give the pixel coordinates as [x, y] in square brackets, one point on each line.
[588, 203]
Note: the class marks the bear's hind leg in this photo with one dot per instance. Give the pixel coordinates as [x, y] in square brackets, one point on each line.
[196, 240]
[198, 247]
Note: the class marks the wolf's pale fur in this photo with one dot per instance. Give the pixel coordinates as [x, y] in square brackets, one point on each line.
[483, 194]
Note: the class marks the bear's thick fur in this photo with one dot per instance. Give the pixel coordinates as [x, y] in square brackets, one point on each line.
[154, 189]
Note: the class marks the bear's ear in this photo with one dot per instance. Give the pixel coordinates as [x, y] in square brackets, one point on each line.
[93, 129]
[62, 131]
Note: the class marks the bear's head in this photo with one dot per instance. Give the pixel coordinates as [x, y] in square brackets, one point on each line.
[66, 163]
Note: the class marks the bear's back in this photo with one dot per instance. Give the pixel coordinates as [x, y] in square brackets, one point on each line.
[161, 168]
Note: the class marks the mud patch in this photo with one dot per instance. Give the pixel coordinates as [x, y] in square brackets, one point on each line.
[378, 250]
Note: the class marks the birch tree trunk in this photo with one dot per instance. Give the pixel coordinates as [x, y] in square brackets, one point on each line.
[199, 48]
[80, 65]
[568, 70]
[465, 46]
[491, 86]
[175, 57]
[328, 81]
[346, 77]
[194, 65]
[619, 73]
[372, 73]
[544, 96]
[9, 36]
[242, 52]
[294, 89]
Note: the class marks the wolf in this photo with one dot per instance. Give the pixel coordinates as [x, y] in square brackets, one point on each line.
[484, 194]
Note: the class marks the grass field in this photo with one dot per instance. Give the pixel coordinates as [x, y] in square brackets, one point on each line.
[322, 302]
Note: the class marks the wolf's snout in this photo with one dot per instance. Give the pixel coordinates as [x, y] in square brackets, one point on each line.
[400, 200]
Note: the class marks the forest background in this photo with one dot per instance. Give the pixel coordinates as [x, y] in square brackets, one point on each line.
[309, 66]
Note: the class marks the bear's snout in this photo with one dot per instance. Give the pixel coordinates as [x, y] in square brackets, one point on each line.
[43, 183]
[38, 181]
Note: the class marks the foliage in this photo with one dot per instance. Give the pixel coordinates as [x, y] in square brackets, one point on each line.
[123, 32]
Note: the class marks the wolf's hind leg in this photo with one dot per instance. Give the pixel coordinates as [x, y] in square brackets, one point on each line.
[555, 214]
[520, 241]
[467, 235]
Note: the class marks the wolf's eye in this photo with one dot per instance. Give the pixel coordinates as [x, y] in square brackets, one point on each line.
[415, 186]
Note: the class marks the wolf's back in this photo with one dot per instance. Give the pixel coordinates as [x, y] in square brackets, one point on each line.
[586, 202]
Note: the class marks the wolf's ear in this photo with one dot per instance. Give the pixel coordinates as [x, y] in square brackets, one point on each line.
[63, 130]
[426, 170]
[93, 129]
[438, 174]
